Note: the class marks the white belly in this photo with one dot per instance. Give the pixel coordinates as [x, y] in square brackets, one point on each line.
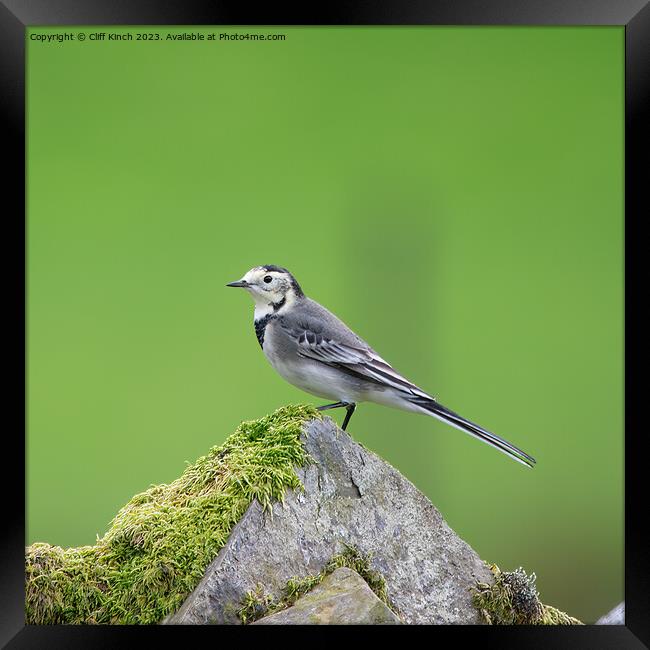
[314, 378]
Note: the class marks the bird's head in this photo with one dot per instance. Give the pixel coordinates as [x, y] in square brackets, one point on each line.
[271, 287]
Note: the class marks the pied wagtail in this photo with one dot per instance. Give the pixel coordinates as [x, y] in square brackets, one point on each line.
[315, 351]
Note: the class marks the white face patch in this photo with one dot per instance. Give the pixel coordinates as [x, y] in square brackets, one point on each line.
[269, 297]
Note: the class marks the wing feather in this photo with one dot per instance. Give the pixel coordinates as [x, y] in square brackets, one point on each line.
[358, 359]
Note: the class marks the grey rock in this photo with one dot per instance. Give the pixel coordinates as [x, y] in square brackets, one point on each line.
[615, 617]
[351, 497]
[343, 598]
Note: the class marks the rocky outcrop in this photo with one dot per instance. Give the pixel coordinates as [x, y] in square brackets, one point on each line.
[343, 598]
[351, 498]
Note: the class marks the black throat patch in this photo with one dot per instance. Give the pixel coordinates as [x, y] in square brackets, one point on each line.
[278, 305]
[261, 323]
[260, 328]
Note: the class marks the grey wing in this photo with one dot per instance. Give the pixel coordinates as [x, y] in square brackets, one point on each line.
[323, 341]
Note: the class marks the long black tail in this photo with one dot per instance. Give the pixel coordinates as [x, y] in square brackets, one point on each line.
[442, 413]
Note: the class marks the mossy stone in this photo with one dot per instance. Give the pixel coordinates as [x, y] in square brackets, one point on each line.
[342, 598]
[160, 543]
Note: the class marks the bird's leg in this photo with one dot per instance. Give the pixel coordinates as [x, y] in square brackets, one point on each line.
[336, 405]
[349, 411]
[349, 407]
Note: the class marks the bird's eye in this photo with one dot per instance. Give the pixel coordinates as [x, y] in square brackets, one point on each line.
[267, 279]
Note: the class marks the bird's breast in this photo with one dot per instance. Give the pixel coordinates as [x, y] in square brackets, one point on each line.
[277, 346]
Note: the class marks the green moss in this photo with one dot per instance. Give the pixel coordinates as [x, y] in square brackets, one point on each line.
[514, 600]
[160, 543]
[257, 604]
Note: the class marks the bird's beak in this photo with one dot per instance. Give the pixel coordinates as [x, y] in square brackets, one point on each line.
[239, 283]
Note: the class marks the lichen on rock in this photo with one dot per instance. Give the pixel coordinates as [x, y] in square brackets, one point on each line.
[513, 599]
[158, 546]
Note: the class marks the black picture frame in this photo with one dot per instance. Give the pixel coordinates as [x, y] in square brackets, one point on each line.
[17, 15]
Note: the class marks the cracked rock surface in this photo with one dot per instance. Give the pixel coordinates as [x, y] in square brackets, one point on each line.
[351, 497]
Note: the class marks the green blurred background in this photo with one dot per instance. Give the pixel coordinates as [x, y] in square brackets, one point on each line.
[454, 194]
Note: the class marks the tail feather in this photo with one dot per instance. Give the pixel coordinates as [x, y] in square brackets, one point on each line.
[441, 412]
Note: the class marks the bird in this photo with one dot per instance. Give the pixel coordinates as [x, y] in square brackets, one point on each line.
[314, 350]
